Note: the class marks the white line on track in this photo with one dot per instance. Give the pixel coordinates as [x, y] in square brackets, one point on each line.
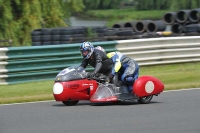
[54, 100]
[27, 102]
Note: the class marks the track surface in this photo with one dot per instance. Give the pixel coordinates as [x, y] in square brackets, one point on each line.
[170, 112]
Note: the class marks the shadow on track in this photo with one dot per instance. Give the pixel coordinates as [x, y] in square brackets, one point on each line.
[104, 104]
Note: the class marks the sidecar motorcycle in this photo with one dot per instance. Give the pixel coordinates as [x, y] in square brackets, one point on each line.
[72, 85]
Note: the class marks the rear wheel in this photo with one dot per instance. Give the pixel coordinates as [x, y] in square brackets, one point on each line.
[145, 100]
[70, 103]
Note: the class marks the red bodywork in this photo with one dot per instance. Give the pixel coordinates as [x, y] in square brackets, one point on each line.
[77, 90]
[147, 85]
[84, 89]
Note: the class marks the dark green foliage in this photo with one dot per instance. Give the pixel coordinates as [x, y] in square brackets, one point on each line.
[166, 4]
[101, 4]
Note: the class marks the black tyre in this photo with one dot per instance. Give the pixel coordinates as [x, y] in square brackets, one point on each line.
[111, 31]
[66, 31]
[36, 38]
[79, 30]
[70, 103]
[119, 25]
[65, 37]
[46, 31]
[177, 28]
[36, 43]
[192, 28]
[46, 38]
[145, 100]
[56, 31]
[125, 33]
[100, 35]
[78, 35]
[97, 29]
[36, 32]
[55, 37]
[46, 43]
[55, 42]
[78, 38]
[65, 42]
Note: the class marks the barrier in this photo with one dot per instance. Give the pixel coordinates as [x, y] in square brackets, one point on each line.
[36, 63]
[156, 51]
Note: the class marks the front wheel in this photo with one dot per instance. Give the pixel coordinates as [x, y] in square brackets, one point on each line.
[70, 103]
[145, 100]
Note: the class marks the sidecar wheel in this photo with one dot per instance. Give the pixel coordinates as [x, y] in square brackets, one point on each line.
[70, 103]
[145, 100]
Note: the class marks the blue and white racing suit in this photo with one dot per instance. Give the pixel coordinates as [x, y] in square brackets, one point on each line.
[128, 68]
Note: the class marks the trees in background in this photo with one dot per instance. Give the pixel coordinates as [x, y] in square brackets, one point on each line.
[101, 4]
[19, 17]
[166, 4]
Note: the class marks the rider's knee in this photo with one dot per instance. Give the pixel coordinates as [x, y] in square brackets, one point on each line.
[128, 79]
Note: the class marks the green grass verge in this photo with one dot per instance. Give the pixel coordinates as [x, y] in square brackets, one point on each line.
[174, 76]
[125, 15]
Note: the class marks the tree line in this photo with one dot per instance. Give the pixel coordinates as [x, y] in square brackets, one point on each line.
[143, 4]
[19, 17]
[174, 5]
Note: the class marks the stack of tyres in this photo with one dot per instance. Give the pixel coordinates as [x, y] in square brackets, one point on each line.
[65, 35]
[55, 34]
[136, 29]
[183, 21]
[36, 37]
[118, 33]
[46, 36]
[97, 33]
[72, 35]
[192, 28]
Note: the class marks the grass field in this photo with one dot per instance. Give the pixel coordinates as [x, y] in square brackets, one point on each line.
[175, 76]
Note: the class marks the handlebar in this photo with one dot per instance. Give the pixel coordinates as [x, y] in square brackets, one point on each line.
[99, 77]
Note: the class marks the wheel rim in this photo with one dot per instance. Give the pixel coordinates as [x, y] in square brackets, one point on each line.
[147, 98]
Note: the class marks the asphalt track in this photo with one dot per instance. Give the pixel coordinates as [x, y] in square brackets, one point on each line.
[170, 112]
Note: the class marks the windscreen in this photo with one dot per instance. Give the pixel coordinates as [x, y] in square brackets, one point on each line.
[71, 73]
[104, 93]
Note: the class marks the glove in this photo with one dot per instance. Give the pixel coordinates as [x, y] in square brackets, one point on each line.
[110, 77]
[91, 74]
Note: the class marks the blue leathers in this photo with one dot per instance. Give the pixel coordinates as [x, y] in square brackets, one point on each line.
[127, 67]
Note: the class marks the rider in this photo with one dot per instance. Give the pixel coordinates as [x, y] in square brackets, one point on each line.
[96, 58]
[128, 68]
